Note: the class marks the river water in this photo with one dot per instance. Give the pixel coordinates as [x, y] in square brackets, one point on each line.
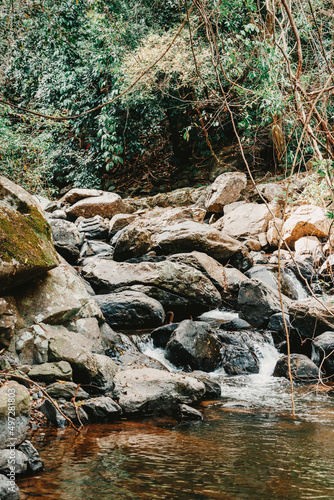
[247, 447]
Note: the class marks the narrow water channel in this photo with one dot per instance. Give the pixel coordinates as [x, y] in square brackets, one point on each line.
[247, 447]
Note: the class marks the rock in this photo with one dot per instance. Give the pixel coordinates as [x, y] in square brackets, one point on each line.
[189, 236]
[8, 320]
[236, 324]
[225, 189]
[77, 194]
[100, 409]
[35, 463]
[148, 391]
[106, 205]
[323, 352]
[302, 368]
[162, 334]
[66, 390]
[89, 328]
[26, 248]
[57, 214]
[180, 280]
[119, 222]
[212, 386]
[55, 417]
[257, 302]
[116, 343]
[186, 412]
[130, 310]
[66, 239]
[50, 372]
[131, 242]
[307, 220]
[8, 488]
[246, 221]
[58, 297]
[311, 318]
[274, 231]
[91, 247]
[276, 322]
[308, 245]
[13, 391]
[133, 361]
[238, 360]
[94, 228]
[264, 274]
[192, 344]
[31, 345]
[177, 198]
[19, 460]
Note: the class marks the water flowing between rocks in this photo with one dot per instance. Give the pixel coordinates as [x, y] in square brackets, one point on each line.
[247, 447]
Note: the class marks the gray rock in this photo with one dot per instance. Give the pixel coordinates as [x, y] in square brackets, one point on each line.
[302, 368]
[91, 247]
[31, 345]
[162, 334]
[186, 412]
[106, 205]
[94, 228]
[66, 390]
[132, 361]
[17, 434]
[238, 360]
[225, 189]
[235, 324]
[192, 344]
[55, 417]
[311, 318]
[15, 457]
[148, 391]
[35, 463]
[26, 248]
[50, 372]
[323, 352]
[102, 408]
[212, 386]
[276, 322]
[131, 242]
[66, 239]
[116, 343]
[77, 194]
[8, 489]
[8, 320]
[131, 310]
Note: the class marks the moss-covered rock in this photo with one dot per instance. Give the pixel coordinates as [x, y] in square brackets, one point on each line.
[26, 248]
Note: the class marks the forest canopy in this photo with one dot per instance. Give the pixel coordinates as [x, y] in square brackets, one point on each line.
[133, 94]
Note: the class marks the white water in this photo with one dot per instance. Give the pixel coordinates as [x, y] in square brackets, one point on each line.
[295, 284]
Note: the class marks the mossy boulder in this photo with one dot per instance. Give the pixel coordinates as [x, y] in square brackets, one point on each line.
[26, 248]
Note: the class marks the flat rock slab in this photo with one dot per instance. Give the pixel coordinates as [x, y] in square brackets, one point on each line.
[26, 248]
[148, 391]
[106, 205]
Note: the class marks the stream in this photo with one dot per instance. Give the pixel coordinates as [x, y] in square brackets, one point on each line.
[247, 447]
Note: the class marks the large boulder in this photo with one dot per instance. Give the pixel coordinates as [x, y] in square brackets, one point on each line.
[323, 352]
[307, 220]
[8, 320]
[8, 488]
[106, 205]
[16, 395]
[77, 194]
[57, 297]
[189, 236]
[26, 248]
[193, 345]
[131, 242]
[148, 391]
[257, 302]
[66, 239]
[238, 360]
[302, 368]
[311, 318]
[131, 310]
[177, 279]
[225, 189]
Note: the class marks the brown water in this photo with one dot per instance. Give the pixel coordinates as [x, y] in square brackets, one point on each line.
[258, 452]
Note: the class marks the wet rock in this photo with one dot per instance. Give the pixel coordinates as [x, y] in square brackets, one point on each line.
[50, 372]
[116, 343]
[162, 334]
[323, 352]
[189, 236]
[31, 345]
[131, 242]
[20, 462]
[186, 412]
[8, 489]
[66, 239]
[238, 360]
[225, 189]
[55, 417]
[276, 322]
[26, 248]
[257, 302]
[264, 274]
[35, 463]
[236, 324]
[307, 220]
[193, 344]
[148, 391]
[100, 409]
[94, 228]
[131, 310]
[212, 386]
[106, 205]
[302, 368]
[180, 280]
[22, 413]
[8, 320]
[91, 248]
[66, 390]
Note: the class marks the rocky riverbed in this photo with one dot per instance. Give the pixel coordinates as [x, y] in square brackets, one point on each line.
[194, 272]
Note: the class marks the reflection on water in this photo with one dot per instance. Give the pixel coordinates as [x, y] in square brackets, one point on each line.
[255, 453]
